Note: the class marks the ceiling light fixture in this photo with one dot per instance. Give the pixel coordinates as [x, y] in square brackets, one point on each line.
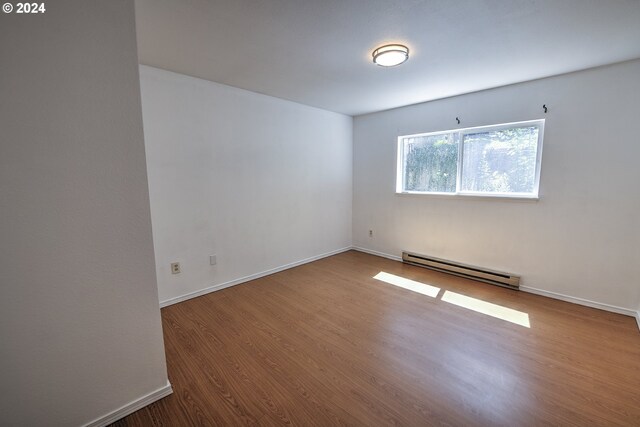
[390, 55]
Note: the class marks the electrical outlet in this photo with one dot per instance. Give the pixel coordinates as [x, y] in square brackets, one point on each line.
[213, 259]
[370, 233]
[175, 268]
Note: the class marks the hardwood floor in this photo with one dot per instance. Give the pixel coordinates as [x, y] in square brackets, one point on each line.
[326, 344]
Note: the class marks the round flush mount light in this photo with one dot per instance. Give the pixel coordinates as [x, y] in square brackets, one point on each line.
[390, 55]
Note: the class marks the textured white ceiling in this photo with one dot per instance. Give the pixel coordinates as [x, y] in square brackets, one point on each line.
[318, 52]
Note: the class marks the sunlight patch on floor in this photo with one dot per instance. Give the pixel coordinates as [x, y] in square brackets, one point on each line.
[412, 285]
[494, 310]
[477, 305]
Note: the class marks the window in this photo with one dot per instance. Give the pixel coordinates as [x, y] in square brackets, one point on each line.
[500, 160]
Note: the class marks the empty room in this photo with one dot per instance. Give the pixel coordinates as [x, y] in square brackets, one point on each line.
[319, 213]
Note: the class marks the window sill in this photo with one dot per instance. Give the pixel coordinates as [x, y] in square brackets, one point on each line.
[471, 196]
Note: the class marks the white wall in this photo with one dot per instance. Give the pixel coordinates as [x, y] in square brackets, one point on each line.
[258, 181]
[580, 239]
[80, 331]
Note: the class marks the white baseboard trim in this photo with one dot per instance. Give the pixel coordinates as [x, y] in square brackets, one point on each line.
[131, 407]
[579, 301]
[376, 253]
[554, 295]
[220, 286]
[549, 294]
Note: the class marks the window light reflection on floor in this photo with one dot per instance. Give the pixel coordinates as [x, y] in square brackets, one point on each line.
[494, 310]
[477, 305]
[412, 285]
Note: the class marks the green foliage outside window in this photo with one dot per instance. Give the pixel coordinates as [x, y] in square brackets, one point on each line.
[500, 161]
[431, 164]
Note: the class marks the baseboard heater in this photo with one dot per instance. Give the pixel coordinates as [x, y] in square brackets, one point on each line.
[498, 278]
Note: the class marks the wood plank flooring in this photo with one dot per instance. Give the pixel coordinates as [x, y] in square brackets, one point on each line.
[325, 344]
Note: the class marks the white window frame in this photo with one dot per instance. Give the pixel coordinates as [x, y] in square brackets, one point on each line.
[458, 136]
